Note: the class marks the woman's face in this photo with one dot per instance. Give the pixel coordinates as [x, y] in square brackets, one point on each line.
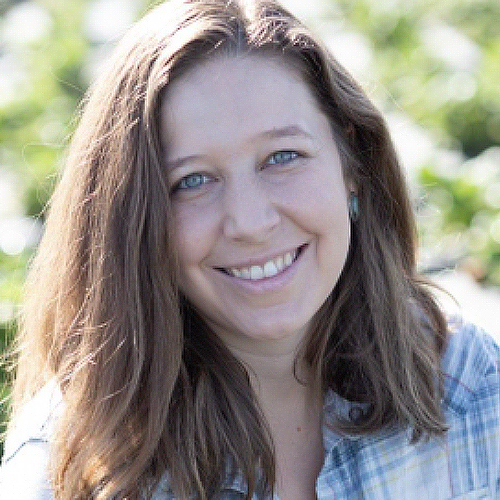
[259, 199]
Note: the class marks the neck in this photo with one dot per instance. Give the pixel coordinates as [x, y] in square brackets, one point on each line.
[292, 408]
[279, 378]
[278, 375]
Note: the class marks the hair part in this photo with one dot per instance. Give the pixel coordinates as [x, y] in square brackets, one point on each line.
[147, 387]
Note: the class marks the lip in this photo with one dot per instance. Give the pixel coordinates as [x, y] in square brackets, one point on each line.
[270, 283]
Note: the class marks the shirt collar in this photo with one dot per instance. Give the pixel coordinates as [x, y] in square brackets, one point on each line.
[335, 409]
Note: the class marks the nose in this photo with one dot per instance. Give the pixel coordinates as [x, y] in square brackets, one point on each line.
[250, 213]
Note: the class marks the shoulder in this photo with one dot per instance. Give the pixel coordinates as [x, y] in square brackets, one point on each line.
[24, 468]
[471, 368]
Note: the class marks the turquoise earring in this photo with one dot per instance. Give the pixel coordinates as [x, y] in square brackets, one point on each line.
[353, 206]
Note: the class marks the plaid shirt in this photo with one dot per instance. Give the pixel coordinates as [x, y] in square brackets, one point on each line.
[464, 464]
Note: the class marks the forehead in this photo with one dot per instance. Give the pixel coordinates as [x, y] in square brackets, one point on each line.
[240, 93]
[245, 69]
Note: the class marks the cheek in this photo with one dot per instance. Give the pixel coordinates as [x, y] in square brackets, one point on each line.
[328, 217]
[322, 201]
[335, 237]
[194, 232]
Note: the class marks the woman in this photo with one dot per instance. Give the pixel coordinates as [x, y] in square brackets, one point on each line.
[225, 302]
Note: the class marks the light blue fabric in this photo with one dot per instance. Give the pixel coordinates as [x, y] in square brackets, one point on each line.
[464, 464]
[23, 474]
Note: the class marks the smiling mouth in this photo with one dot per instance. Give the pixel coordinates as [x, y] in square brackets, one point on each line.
[268, 269]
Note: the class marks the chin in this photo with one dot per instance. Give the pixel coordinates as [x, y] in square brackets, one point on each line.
[276, 333]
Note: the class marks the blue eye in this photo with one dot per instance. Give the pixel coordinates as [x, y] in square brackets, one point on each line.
[281, 157]
[192, 181]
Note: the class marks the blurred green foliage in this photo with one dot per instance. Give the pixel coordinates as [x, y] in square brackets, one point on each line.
[35, 122]
[42, 83]
[453, 94]
[438, 62]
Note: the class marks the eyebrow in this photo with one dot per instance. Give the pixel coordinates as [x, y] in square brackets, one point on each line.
[288, 131]
[177, 163]
[274, 133]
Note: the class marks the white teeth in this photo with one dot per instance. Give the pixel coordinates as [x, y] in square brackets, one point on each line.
[269, 269]
[256, 273]
[279, 263]
[245, 273]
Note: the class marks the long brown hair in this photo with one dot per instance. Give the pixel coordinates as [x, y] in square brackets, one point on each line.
[149, 392]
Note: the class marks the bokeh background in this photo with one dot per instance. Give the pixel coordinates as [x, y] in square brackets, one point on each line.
[432, 66]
